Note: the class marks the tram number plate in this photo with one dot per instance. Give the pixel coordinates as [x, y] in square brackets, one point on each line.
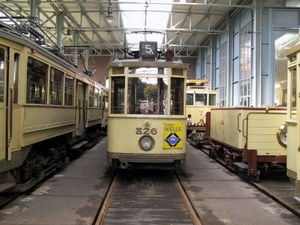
[145, 130]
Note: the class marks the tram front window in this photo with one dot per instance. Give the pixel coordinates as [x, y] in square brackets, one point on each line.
[177, 97]
[190, 99]
[201, 99]
[212, 100]
[117, 95]
[146, 95]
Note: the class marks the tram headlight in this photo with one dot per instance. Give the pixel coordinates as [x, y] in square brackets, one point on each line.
[146, 143]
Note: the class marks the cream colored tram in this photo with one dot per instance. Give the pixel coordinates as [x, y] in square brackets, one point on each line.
[290, 131]
[146, 116]
[200, 99]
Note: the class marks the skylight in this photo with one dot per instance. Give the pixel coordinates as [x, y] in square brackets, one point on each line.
[145, 20]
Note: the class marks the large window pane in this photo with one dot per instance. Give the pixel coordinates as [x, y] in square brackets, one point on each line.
[56, 78]
[1, 75]
[36, 81]
[147, 96]
[178, 95]
[69, 90]
[117, 95]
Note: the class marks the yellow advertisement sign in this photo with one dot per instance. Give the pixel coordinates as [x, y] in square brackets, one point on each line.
[173, 133]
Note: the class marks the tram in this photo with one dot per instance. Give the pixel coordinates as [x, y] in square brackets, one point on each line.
[289, 132]
[146, 113]
[199, 100]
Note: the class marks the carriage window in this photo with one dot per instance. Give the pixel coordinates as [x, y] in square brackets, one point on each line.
[16, 77]
[36, 81]
[190, 99]
[117, 95]
[1, 75]
[56, 78]
[69, 90]
[177, 96]
[97, 100]
[91, 96]
[146, 95]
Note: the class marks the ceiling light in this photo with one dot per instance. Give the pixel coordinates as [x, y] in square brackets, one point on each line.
[109, 16]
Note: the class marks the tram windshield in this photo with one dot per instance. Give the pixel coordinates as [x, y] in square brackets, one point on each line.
[201, 99]
[147, 95]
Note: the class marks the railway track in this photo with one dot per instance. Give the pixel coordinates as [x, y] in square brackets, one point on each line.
[150, 196]
[273, 183]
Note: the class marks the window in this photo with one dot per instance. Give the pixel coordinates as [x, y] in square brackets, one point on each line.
[117, 95]
[56, 78]
[16, 77]
[177, 96]
[147, 95]
[223, 74]
[190, 99]
[36, 81]
[245, 65]
[212, 100]
[1, 74]
[91, 96]
[97, 100]
[69, 90]
[201, 99]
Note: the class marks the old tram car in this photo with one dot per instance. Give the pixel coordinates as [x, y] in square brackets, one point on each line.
[48, 108]
[146, 116]
[289, 132]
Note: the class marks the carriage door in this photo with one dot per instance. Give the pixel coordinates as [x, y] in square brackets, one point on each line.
[80, 106]
[4, 104]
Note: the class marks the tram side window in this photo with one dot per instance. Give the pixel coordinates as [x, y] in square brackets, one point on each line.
[97, 100]
[91, 96]
[69, 90]
[56, 78]
[36, 81]
[190, 99]
[16, 77]
[178, 95]
[117, 95]
[1, 75]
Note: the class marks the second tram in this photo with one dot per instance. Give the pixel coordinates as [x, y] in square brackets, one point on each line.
[199, 100]
[146, 115]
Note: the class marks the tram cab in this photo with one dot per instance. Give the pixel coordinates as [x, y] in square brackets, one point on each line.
[146, 113]
[200, 99]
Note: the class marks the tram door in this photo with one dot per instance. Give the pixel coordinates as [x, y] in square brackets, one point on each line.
[80, 109]
[3, 104]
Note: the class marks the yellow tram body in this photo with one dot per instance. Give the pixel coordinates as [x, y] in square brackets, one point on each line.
[291, 129]
[43, 98]
[146, 130]
[200, 100]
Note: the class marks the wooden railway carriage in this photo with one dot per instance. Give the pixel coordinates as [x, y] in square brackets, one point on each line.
[247, 138]
[146, 120]
[47, 107]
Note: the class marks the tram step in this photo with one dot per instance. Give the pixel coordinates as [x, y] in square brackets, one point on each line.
[6, 186]
[241, 165]
[79, 145]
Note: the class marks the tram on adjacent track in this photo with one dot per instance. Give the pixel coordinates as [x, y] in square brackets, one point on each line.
[200, 99]
[147, 115]
[49, 109]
